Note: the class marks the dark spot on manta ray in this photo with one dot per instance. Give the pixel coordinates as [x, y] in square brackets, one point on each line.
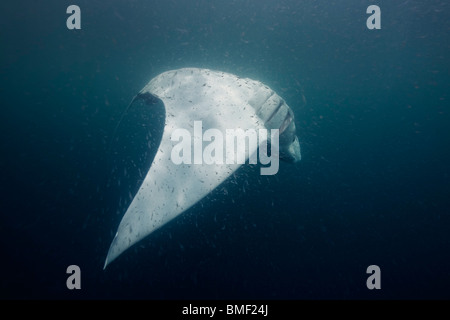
[148, 98]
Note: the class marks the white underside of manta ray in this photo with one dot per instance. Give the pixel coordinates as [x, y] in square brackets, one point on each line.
[221, 101]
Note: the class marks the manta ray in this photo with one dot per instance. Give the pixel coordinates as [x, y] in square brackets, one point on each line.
[221, 101]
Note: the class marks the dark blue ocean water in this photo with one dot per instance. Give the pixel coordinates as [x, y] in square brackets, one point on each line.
[372, 116]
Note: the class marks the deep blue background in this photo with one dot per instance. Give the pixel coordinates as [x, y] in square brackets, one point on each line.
[372, 112]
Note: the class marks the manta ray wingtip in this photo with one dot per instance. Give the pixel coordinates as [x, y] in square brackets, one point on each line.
[107, 261]
[113, 252]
